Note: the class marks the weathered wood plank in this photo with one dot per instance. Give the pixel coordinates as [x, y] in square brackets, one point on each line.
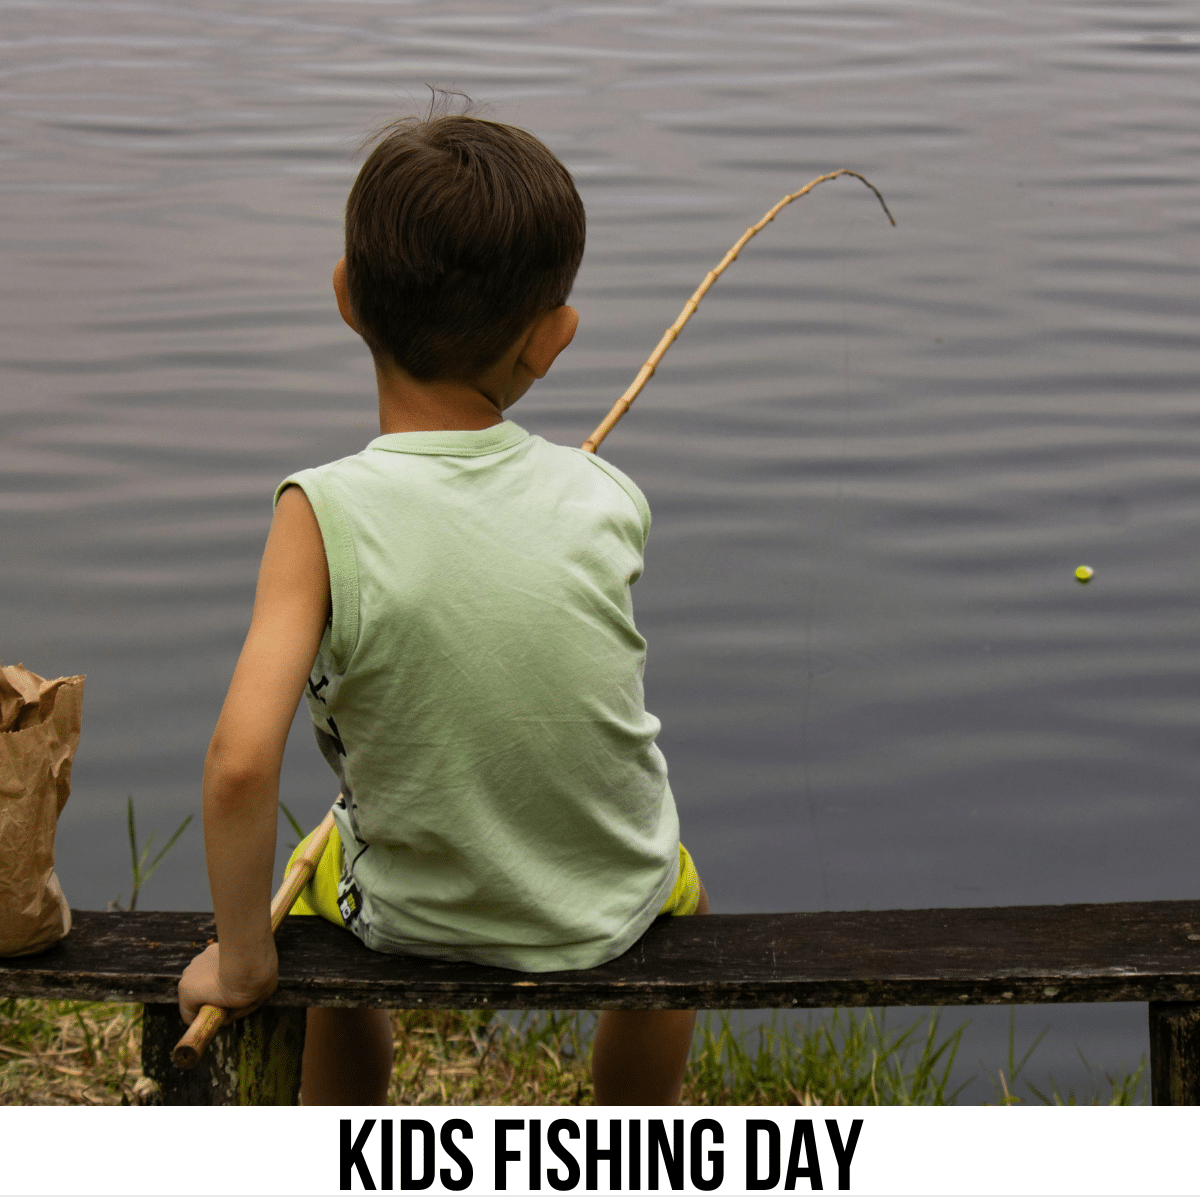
[1062, 953]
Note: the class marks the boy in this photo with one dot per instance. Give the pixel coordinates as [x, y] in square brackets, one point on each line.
[454, 603]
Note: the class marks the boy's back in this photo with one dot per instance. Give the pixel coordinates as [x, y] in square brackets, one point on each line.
[479, 695]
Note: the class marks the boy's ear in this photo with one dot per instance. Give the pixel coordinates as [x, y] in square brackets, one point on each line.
[548, 337]
[342, 294]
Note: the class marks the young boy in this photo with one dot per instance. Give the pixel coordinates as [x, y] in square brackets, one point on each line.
[454, 603]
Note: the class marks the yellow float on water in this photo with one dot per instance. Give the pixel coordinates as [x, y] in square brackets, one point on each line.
[1083, 574]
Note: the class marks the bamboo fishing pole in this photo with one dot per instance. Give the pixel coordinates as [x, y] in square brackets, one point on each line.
[621, 407]
[210, 1018]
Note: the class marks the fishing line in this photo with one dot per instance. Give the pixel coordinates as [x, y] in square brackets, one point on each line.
[811, 614]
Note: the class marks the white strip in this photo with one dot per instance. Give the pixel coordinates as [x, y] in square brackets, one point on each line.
[298, 1152]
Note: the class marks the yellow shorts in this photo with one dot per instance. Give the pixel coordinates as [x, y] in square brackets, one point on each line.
[685, 895]
[320, 895]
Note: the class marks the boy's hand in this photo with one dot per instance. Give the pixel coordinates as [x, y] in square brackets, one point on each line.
[202, 983]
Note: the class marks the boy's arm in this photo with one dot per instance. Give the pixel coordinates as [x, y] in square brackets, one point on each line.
[241, 772]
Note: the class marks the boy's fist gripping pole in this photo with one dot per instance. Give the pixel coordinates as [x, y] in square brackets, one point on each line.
[210, 1018]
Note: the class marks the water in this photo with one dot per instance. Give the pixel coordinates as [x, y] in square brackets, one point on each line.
[875, 456]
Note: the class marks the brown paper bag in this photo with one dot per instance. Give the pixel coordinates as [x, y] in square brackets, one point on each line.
[39, 731]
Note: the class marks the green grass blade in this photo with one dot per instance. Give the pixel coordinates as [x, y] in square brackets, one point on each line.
[133, 848]
[287, 812]
[171, 841]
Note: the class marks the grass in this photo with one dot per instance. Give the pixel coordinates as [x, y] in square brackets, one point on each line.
[66, 1052]
[847, 1059]
[1110, 1088]
[69, 1052]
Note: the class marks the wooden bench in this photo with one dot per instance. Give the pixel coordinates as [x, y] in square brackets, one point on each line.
[1094, 953]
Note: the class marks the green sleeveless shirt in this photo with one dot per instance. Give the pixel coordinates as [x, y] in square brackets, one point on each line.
[478, 693]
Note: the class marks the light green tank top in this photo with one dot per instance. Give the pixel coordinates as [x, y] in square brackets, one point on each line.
[478, 693]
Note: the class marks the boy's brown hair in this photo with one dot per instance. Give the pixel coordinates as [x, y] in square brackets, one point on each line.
[459, 233]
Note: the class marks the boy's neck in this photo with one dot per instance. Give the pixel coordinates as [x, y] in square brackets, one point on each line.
[409, 406]
[406, 405]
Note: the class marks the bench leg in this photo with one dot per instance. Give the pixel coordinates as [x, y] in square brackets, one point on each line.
[253, 1061]
[1174, 1053]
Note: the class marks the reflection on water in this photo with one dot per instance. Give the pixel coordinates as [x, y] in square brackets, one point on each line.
[875, 456]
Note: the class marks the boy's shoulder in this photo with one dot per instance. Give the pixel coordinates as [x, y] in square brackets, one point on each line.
[539, 455]
[619, 477]
[577, 462]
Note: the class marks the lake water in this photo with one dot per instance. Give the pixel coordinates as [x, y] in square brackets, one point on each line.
[875, 456]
